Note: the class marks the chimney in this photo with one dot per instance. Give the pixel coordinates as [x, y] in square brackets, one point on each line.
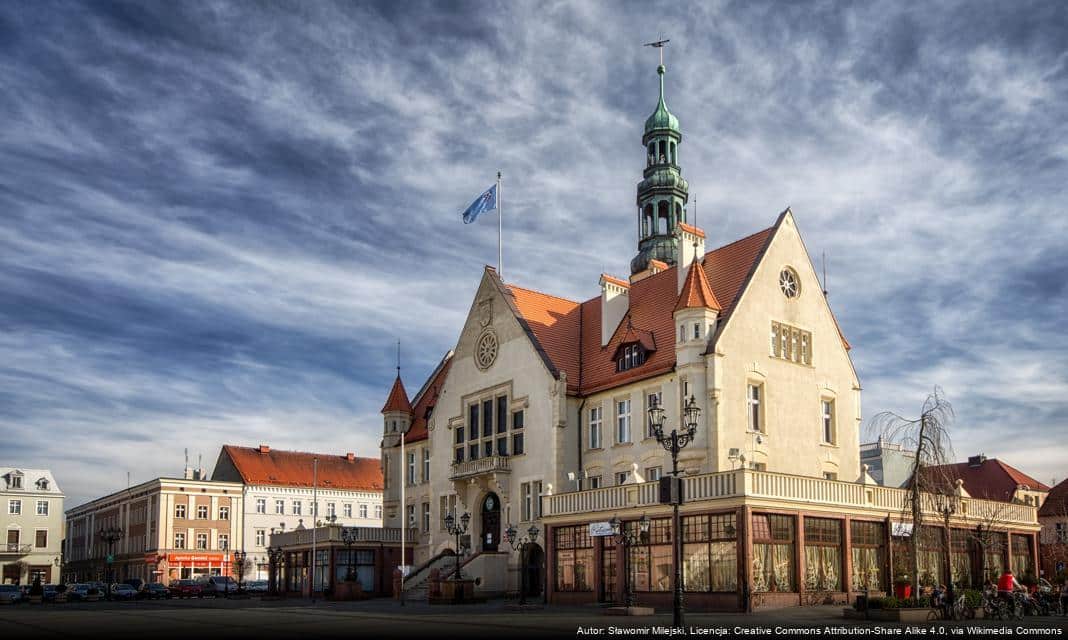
[188, 473]
[975, 462]
[351, 457]
[615, 300]
[264, 449]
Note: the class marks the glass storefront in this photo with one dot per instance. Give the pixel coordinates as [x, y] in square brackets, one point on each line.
[574, 559]
[823, 554]
[773, 552]
[650, 564]
[709, 553]
[868, 555]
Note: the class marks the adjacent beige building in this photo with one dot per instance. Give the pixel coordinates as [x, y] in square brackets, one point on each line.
[32, 525]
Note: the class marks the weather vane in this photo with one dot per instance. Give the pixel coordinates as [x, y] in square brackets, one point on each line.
[659, 44]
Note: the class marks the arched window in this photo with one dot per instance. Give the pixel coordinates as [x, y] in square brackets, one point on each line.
[647, 221]
[674, 158]
[663, 218]
[652, 152]
[678, 213]
[663, 151]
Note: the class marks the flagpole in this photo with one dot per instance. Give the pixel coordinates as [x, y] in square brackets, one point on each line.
[500, 227]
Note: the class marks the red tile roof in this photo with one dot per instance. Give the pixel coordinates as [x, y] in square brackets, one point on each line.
[268, 466]
[990, 480]
[427, 399]
[696, 293]
[1056, 503]
[700, 233]
[398, 398]
[616, 281]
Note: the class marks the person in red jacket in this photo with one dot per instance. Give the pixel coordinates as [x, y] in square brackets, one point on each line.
[1007, 584]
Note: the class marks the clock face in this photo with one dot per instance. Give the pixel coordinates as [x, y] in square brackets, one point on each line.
[486, 350]
[788, 283]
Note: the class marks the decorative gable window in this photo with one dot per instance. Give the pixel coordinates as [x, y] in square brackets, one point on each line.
[14, 481]
[42, 484]
[630, 356]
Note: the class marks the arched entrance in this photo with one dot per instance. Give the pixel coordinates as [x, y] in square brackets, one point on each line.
[533, 565]
[491, 522]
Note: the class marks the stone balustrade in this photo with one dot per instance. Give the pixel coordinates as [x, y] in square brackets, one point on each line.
[470, 468]
[790, 490]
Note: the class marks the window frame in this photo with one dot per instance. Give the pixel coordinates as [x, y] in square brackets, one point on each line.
[623, 421]
[754, 404]
[829, 421]
[596, 426]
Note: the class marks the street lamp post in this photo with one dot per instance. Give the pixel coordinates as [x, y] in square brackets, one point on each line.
[674, 443]
[620, 535]
[520, 545]
[348, 538]
[110, 535]
[239, 564]
[456, 530]
[274, 557]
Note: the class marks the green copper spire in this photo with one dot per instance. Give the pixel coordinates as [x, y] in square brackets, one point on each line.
[661, 118]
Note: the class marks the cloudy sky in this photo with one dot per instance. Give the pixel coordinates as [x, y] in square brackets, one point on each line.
[216, 219]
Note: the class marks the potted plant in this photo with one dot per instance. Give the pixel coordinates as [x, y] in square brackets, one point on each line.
[902, 587]
[36, 591]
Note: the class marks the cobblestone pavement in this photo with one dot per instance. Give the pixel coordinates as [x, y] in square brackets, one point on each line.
[224, 619]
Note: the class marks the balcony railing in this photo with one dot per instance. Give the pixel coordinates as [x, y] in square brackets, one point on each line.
[747, 483]
[333, 533]
[16, 548]
[471, 468]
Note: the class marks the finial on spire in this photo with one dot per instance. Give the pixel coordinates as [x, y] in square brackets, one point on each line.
[659, 44]
[398, 358]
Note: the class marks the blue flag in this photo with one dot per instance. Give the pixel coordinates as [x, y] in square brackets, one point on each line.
[485, 202]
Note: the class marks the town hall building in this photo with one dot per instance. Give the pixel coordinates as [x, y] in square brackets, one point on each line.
[537, 418]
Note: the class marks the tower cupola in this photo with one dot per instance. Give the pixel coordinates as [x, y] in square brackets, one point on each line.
[663, 192]
[396, 413]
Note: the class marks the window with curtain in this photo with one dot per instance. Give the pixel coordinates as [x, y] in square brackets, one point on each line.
[932, 557]
[960, 568]
[994, 554]
[1021, 556]
[869, 555]
[650, 563]
[574, 559]
[709, 553]
[773, 552]
[355, 565]
[823, 554]
[608, 572]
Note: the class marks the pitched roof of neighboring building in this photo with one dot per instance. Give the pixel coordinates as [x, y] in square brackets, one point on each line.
[990, 479]
[696, 293]
[426, 400]
[31, 479]
[568, 333]
[1056, 503]
[266, 466]
[398, 398]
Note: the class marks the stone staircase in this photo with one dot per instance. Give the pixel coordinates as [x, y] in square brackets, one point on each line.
[417, 584]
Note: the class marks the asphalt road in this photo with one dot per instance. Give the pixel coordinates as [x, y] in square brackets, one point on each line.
[225, 619]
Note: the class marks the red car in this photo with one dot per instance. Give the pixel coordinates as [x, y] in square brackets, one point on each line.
[184, 589]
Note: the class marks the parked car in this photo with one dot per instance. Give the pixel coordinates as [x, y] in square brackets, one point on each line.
[136, 583]
[10, 594]
[122, 591]
[77, 591]
[49, 594]
[256, 586]
[154, 591]
[185, 589]
[216, 586]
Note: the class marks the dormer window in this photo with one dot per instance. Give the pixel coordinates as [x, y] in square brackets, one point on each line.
[631, 356]
[42, 484]
[14, 481]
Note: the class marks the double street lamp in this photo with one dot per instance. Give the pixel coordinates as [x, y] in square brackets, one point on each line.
[456, 530]
[239, 566]
[110, 535]
[675, 442]
[274, 569]
[628, 537]
[348, 538]
[520, 545]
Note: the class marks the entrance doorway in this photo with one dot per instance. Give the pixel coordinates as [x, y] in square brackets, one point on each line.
[491, 522]
[532, 569]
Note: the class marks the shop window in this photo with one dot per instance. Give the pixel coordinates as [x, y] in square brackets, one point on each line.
[823, 554]
[709, 553]
[574, 559]
[650, 563]
[773, 553]
[868, 555]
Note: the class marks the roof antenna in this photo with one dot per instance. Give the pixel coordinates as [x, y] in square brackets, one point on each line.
[824, 274]
[695, 209]
[187, 456]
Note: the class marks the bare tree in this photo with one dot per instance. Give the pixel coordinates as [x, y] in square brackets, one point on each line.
[990, 532]
[928, 437]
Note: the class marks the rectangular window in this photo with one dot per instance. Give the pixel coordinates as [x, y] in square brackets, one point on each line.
[346, 510]
[363, 511]
[261, 538]
[459, 455]
[517, 419]
[459, 435]
[651, 561]
[411, 468]
[574, 558]
[773, 553]
[224, 542]
[16, 482]
[280, 507]
[202, 512]
[502, 414]
[651, 399]
[595, 427]
[14, 507]
[823, 554]
[868, 553]
[528, 501]
[709, 554]
[696, 330]
[1060, 531]
[517, 444]
[537, 499]
[594, 482]
[426, 465]
[487, 448]
[331, 509]
[753, 397]
[623, 421]
[179, 511]
[378, 511]
[411, 516]
[179, 541]
[828, 421]
[790, 343]
[446, 505]
[297, 507]
[261, 505]
[40, 540]
[426, 516]
[487, 418]
[652, 474]
[202, 541]
[502, 446]
[42, 507]
[830, 475]
[759, 466]
[224, 513]
[472, 451]
[622, 476]
[472, 422]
